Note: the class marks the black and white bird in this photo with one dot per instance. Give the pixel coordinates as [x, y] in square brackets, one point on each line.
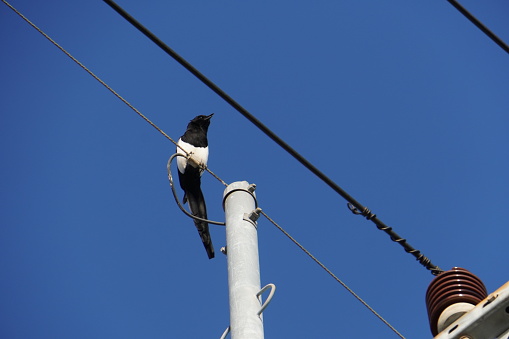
[194, 141]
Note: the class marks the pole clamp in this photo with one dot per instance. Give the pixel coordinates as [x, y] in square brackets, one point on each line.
[249, 190]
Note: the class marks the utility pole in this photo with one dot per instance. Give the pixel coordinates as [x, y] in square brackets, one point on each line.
[239, 202]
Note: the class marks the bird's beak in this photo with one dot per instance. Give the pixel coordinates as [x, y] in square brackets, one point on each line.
[209, 116]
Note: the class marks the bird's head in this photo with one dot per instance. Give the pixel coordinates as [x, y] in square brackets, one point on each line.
[201, 121]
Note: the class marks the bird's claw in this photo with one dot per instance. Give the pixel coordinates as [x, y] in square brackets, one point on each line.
[195, 163]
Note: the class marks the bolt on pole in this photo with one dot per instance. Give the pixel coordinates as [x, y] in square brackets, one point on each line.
[243, 263]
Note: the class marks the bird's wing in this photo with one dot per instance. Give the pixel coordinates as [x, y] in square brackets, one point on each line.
[199, 154]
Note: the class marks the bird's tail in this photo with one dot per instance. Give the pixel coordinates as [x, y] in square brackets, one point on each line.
[203, 230]
[199, 209]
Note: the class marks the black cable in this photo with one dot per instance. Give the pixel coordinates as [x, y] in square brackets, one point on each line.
[479, 25]
[352, 202]
[170, 179]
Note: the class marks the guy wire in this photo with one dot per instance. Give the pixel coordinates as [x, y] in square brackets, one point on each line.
[331, 274]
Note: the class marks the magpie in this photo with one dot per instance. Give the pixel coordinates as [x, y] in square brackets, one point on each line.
[195, 142]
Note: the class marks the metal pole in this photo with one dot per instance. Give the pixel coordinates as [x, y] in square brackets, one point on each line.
[243, 264]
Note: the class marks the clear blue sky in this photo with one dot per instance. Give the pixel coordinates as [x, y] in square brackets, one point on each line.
[404, 104]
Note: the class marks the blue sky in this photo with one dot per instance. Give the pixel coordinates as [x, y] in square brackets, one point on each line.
[404, 104]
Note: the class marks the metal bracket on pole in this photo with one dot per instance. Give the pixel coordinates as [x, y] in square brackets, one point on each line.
[269, 298]
[489, 319]
[235, 187]
[253, 216]
[264, 306]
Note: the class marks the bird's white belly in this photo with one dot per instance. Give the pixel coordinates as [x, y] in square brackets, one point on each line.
[199, 154]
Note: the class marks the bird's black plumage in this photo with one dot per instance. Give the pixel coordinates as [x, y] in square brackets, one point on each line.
[195, 141]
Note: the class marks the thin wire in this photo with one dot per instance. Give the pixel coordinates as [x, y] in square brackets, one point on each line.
[107, 87]
[332, 274]
[435, 270]
[91, 73]
[213, 174]
[479, 25]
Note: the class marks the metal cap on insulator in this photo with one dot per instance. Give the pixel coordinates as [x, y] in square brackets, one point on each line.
[457, 287]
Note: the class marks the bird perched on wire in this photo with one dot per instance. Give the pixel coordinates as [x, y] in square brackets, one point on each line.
[194, 141]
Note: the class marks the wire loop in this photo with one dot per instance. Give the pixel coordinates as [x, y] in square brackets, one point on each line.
[269, 298]
[170, 178]
[365, 211]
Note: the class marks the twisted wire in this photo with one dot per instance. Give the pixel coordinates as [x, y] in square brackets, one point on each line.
[366, 212]
[423, 260]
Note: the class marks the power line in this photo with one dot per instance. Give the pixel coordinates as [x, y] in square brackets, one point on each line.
[356, 207]
[479, 25]
[223, 182]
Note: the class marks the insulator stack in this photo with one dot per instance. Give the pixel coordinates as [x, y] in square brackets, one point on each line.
[450, 295]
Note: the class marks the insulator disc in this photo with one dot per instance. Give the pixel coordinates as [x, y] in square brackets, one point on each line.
[451, 287]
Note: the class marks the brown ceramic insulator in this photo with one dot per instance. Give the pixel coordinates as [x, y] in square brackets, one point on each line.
[451, 287]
